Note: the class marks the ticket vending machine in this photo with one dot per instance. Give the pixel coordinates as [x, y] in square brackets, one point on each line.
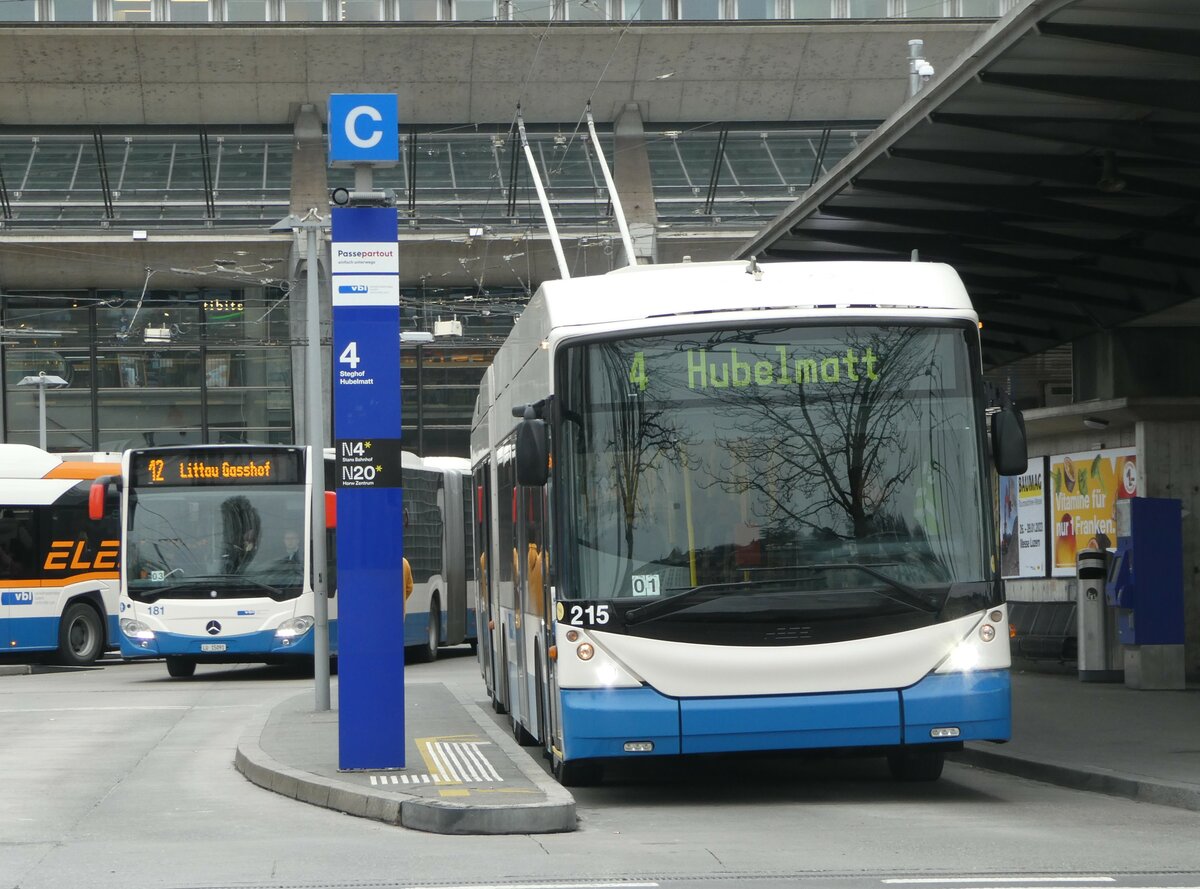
[1145, 585]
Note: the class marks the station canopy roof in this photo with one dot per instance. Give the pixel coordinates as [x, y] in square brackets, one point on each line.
[1055, 165]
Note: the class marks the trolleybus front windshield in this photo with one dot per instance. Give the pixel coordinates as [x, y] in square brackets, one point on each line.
[776, 485]
[215, 542]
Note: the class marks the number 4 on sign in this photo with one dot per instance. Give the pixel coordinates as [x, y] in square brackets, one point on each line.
[350, 355]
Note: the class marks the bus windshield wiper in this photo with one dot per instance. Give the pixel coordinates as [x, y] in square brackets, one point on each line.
[901, 592]
[273, 591]
[218, 582]
[688, 598]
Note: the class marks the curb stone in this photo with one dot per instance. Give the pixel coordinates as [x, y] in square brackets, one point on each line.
[556, 815]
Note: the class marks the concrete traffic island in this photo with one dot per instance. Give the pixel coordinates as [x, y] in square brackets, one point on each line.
[463, 774]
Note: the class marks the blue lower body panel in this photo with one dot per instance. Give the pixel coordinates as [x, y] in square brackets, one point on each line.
[790, 722]
[31, 634]
[41, 633]
[598, 722]
[416, 628]
[978, 704]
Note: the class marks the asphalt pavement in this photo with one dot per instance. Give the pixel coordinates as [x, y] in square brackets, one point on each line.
[465, 775]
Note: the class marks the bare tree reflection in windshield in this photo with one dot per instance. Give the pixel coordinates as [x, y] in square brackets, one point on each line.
[851, 462]
[640, 438]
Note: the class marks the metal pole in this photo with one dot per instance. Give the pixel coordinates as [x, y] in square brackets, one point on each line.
[916, 55]
[618, 210]
[555, 242]
[420, 402]
[42, 415]
[311, 225]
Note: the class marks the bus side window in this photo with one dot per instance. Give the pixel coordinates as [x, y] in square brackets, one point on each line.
[17, 550]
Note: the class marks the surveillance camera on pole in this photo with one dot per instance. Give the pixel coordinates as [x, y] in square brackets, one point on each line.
[345, 197]
[920, 71]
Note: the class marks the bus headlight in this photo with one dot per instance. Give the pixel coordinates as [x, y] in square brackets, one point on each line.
[294, 627]
[982, 648]
[964, 658]
[135, 629]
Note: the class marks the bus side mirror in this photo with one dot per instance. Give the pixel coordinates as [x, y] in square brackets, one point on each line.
[98, 496]
[1008, 442]
[532, 454]
[330, 510]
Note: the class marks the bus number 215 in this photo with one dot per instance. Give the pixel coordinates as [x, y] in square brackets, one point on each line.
[587, 615]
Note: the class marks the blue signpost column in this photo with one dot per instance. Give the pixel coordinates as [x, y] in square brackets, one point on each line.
[366, 420]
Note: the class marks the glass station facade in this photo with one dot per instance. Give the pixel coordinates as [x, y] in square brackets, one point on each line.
[216, 364]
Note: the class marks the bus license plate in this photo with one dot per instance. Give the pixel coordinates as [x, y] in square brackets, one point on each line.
[212, 646]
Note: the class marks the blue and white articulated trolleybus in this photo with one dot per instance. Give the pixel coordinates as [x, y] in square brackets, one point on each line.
[217, 555]
[437, 544]
[733, 507]
[58, 569]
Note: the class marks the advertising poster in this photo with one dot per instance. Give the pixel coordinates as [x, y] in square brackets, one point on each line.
[1084, 490]
[1023, 522]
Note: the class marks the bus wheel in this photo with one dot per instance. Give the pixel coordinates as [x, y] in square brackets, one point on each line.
[427, 652]
[180, 667]
[80, 635]
[577, 772]
[920, 764]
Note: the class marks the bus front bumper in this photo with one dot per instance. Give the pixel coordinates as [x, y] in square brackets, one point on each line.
[941, 708]
[264, 644]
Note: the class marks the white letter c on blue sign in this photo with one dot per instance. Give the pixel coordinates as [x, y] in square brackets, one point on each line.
[352, 127]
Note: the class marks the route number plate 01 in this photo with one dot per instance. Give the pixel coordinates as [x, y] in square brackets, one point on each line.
[212, 646]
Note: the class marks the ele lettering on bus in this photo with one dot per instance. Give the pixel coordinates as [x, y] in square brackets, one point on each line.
[703, 372]
[62, 550]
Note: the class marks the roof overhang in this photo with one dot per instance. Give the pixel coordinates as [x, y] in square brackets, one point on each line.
[100, 74]
[1055, 165]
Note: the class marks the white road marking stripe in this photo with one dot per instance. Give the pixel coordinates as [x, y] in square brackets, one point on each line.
[453, 766]
[549, 886]
[456, 763]
[1002, 878]
[119, 709]
[435, 753]
[461, 765]
[488, 768]
[470, 756]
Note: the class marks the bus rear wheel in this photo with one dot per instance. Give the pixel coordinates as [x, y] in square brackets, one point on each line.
[80, 635]
[427, 652]
[180, 667]
[916, 764]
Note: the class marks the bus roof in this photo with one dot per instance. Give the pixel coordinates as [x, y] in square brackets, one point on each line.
[21, 461]
[641, 293]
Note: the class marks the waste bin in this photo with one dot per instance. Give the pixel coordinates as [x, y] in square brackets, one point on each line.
[1099, 653]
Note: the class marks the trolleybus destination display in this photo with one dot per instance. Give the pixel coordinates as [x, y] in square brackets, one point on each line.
[186, 468]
